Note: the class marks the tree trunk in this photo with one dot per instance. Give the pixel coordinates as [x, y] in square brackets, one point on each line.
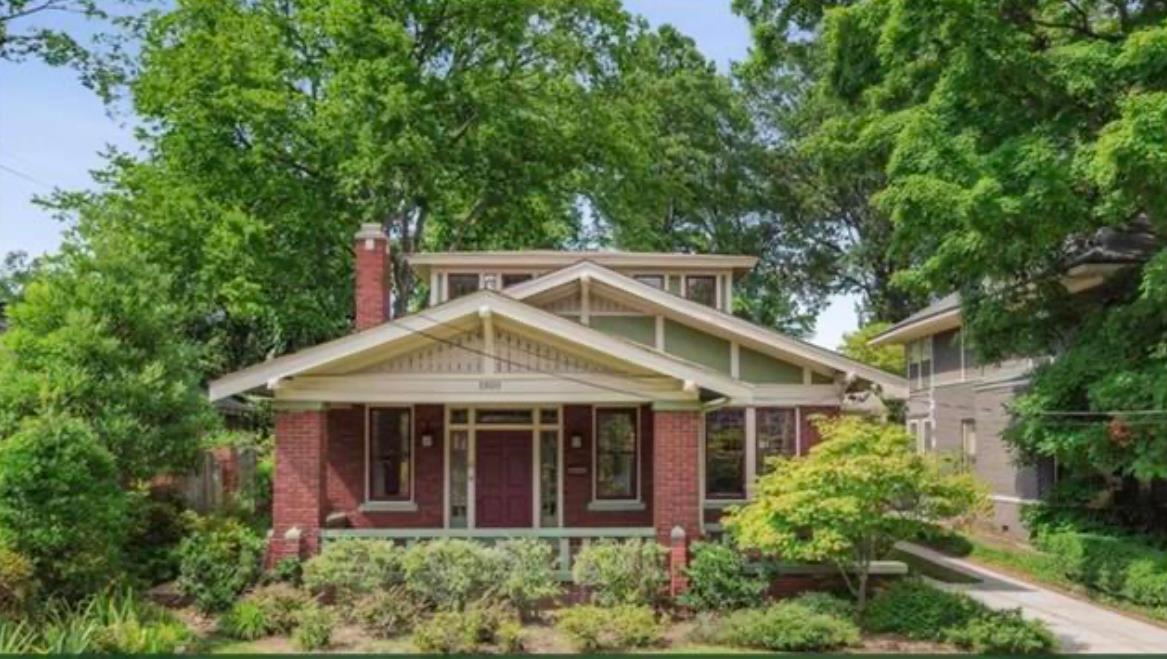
[861, 596]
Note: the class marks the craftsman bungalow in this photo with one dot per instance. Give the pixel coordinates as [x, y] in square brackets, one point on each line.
[562, 395]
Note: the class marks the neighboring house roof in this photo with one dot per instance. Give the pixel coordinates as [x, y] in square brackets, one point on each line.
[1088, 262]
[724, 324]
[270, 373]
[423, 262]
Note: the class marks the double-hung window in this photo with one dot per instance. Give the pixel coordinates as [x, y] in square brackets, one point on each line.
[920, 363]
[776, 435]
[725, 454]
[390, 440]
[616, 455]
[702, 289]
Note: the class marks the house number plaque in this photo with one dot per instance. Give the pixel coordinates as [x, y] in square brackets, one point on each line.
[489, 385]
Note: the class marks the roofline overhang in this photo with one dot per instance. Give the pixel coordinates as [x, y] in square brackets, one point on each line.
[423, 262]
[940, 321]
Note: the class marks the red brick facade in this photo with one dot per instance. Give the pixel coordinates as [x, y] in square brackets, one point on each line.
[577, 477]
[298, 497]
[676, 485]
[808, 434]
[372, 277]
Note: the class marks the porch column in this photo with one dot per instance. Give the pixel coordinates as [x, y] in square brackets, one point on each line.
[298, 492]
[676, 500]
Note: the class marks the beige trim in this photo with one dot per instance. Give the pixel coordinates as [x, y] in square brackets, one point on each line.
[433, 320]
[718, 322]
[390, 505]
[552, 260]
[943, 321]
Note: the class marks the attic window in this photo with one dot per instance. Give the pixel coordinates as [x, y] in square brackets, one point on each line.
[462, 284]
[511, 279]
[702, 289]
[656, 281]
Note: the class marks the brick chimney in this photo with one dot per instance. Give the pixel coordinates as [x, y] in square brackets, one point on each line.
[373, 276]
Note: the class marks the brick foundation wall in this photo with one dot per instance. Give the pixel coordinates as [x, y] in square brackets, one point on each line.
[676, 486]
[299, 484]
[578, 472]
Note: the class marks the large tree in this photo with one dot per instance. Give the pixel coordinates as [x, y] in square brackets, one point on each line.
[1014, 132]
[271, 130]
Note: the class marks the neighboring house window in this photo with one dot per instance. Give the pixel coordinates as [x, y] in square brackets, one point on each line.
[920, 363]
[656, 281]
[616, 458]
[462, 284]
[914, 431]
[512, 279]
[968, 441]
[701, 289]
[928, 439]
[775, 435]
[390, 440]
[725, 454]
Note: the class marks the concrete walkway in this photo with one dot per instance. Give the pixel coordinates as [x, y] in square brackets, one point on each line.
[1079, 625]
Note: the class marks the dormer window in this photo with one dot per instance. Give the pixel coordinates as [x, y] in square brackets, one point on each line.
[656, 281]
[702, 289]
[462, 284]
[512, 279]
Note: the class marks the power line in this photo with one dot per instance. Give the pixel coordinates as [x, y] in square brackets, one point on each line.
[27, 177]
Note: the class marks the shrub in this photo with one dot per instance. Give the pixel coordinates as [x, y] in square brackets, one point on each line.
[289, 570]
[593, 628]
[18, 583]
[631, 572]
[387, 613]
[510, 637]
[826, 604]
[156, 527]
[314, 625]
[448, 574]
[788, 627]
[720, 579]
[528, 573]
[244, 620]
[1003, 633]
[218, 561]
[348, 569]
[61, 506]
[120, 623]
[918, 611]
[280, 604]
[448, 632]
[1119, 566]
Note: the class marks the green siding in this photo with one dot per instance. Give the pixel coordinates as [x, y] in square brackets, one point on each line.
[819, 378]
[763, 369]
[699, 347]
[641, 329]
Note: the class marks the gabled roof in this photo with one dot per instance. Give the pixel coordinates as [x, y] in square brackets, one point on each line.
[268, 373]
[694, 313]
[423, 262]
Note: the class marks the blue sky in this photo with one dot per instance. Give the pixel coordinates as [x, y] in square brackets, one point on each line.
[52, 131]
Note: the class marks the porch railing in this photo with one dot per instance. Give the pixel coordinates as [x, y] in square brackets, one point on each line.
[568, 541]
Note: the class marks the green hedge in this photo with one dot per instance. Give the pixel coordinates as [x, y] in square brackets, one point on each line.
[1118, 566]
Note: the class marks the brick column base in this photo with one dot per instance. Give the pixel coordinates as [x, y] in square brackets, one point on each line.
[289, 545]
[678, 561]
[676, 500]
[299, 495]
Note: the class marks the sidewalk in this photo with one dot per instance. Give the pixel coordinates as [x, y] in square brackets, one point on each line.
[1080, 626]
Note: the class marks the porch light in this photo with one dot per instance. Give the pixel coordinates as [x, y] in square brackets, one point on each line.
[427, 441]
[576, 441]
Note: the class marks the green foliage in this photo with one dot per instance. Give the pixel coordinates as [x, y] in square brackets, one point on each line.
[914, 609]
[245, 620]
[18, 583]
[595, 628]
[314, 627]
[787, 627]
[386, 613]
[93, 337]
[447, 632]
[857, 493]
[347, 569]
[621, 572]
[1003, 633]
[857, 346]
[115, 622]
[60, 505]
[449, 574]
[720, 579]
[280, 604]
[1122, 567]
[218, 561]
[529, 573]
[826, 604]
[289, 570]
[156, 527]
[510, 637]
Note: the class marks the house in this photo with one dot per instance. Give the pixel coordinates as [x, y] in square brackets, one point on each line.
[560, 395]
[960, 407]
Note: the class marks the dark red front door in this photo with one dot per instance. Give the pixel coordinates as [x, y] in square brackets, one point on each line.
[502, 473]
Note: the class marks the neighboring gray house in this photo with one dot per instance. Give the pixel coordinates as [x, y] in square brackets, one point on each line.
[957, 406]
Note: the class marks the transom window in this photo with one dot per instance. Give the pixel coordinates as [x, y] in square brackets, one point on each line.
[701, 288]
[462, 284]
[616, 455]
[725, 454]
[510, 279]
[390, 440]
